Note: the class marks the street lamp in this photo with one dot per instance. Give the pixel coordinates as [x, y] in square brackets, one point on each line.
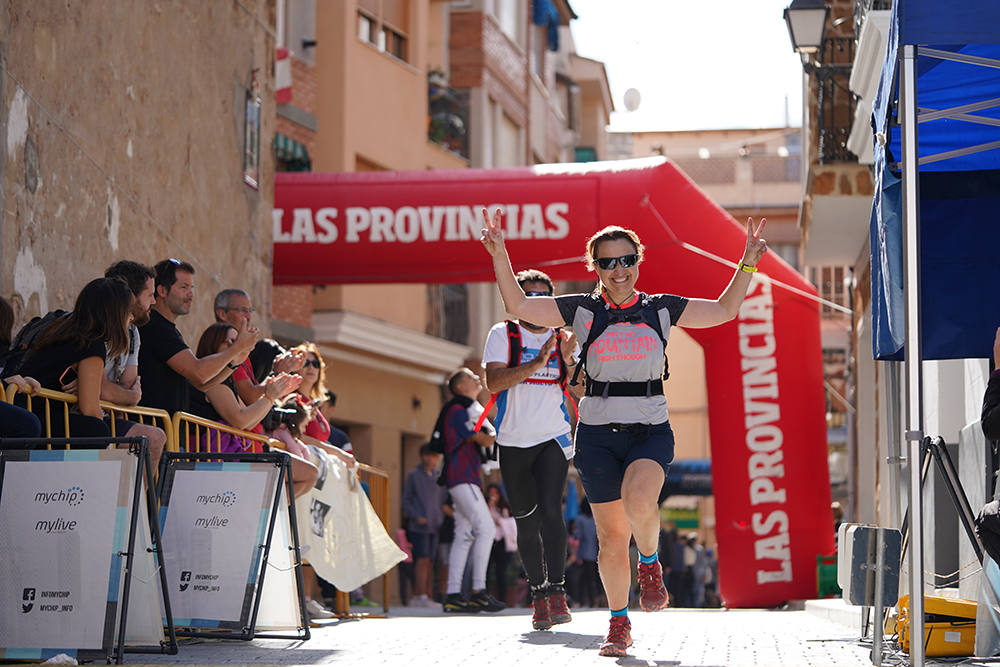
[806, 21]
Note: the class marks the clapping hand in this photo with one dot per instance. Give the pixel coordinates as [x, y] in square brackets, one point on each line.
[568, 344]
[291, 361]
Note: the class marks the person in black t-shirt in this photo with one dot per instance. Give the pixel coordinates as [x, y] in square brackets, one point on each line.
[75, 346]
[166, 363]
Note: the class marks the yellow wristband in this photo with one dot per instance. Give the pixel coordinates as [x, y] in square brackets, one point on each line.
[748, 268]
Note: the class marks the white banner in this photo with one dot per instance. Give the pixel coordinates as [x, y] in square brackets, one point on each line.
[214, 521]
[348, 545]
[62, 524]
[280, 608]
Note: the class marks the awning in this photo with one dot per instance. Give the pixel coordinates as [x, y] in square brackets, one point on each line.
[958, 143]
[291, 151]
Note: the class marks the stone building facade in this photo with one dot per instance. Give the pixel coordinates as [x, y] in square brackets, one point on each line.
[124, 131]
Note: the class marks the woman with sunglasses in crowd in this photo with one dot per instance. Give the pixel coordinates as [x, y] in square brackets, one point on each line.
[312, 391]
[624, 443]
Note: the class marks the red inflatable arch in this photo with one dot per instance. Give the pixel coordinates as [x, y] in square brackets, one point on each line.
[764, 369]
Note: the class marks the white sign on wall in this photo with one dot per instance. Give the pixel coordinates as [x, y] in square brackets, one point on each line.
[214, 516]
[63, 522]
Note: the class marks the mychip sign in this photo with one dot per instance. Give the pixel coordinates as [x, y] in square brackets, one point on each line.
[64, 522]
[214, 518]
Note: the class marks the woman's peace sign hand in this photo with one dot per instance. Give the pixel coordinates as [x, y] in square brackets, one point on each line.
[756, 245]
[492, 236]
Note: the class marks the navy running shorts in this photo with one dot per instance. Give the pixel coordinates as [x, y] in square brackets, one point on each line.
[603, 452]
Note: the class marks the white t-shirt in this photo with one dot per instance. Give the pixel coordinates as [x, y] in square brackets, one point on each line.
[529, 414]
[114, 367]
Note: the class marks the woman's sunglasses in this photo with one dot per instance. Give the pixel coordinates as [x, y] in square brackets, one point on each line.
[608, 263]
[313, 362]
[537, 294]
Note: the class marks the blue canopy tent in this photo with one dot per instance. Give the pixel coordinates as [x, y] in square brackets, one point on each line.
[934, 236]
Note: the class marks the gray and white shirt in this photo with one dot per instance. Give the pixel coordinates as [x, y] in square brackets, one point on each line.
[624, 352]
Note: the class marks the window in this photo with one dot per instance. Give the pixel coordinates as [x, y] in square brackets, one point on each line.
[831, 284]
[384, 25]
[509, 18]
[539, 46]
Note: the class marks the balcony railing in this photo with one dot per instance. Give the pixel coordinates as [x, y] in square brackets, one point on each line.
[447, 114]
[861, 9]
[835, 101]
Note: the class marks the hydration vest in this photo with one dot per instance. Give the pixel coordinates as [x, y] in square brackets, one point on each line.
[514, 359]
[605, 316]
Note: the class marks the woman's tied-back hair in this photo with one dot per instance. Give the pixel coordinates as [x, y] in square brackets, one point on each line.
[212, 338]
[612, 233]
[534, 276]
[318, 390]
[99, 314]
[303, 415]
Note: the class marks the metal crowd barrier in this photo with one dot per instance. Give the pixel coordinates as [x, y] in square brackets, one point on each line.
[139, 414]
[208, 436]
[62, 402]
[49, 397]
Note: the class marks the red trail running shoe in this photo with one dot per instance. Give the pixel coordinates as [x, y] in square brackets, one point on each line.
[540, 619]
[558, 609]
[652, 592]
[619, 637]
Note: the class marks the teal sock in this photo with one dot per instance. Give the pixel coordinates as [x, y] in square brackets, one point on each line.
[647, 560]
[619, 612]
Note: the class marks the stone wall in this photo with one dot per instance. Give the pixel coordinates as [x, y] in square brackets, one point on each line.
[123, 137]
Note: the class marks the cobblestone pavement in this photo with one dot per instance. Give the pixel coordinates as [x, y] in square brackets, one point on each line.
[414, 637]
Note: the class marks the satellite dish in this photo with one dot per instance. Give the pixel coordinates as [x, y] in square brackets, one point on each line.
[632, 99]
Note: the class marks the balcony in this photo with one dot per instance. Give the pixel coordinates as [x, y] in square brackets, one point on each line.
[835, 103]
[447, 114]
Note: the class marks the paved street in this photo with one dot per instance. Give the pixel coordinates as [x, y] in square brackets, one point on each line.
[415, 637]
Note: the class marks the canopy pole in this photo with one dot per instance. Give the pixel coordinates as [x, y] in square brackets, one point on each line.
[914, 378]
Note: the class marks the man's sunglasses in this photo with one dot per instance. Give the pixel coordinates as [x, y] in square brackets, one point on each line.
[537, 294]
[608, 263]
[313, 362]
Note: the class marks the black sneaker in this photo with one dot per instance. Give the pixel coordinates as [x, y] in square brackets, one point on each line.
[454, 603]
[483, 601]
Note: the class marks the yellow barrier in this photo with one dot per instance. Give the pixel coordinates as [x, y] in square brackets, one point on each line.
[183, 422]
[139, 414]
[48, 396]
[135, 413]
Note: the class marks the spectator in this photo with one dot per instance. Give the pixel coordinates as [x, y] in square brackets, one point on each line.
[165, 360]
[699, 572]
[474, 528]
[422, 500]
[221, 402]
[446, 537]
[75, 347]
[121, 383]
[585, 530]
[500, 554]
[338, 438]
[313, 389]
[15, 422]
[233, 306]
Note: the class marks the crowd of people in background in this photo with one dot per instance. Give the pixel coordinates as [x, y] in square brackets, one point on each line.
[120, 344]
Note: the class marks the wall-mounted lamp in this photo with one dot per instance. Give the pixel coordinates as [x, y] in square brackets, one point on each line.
[806, 21]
